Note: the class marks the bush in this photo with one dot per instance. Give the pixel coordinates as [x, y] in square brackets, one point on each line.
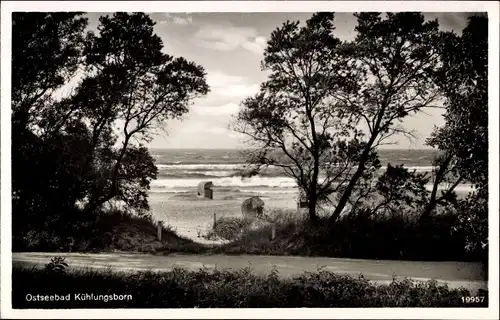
[227, 289]
[230, 228]
[378, 237]
[114, 230]
[57, 232]
[57, 264]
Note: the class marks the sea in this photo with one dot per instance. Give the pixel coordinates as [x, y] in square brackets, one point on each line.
[181, 170]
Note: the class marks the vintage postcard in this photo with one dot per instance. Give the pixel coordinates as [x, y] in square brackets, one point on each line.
[250, 159]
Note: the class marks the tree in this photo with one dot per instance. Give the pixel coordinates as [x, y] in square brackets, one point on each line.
[46, 51]
[322, 92]
[292, 120]
[156, 86]
[395, 58]
[463, 80]
[88, 148]
[130, 79]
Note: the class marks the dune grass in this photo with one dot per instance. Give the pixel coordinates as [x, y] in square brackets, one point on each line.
[394, 237]
[226, 289]
[113, 231]
[230, 228]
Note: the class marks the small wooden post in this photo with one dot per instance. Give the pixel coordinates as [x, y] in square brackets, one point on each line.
[215, 219]
[159, 232]
[273, 232]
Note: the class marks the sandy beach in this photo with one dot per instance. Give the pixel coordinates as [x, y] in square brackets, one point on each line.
[192, 216]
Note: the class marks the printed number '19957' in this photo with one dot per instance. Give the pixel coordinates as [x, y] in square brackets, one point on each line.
[472, 299]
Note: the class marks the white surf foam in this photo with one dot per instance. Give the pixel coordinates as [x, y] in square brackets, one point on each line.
[249, 183]
[200, 166]
[271, 182]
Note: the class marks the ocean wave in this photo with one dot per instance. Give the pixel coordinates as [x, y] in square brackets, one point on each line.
[186, 174]
[265, 184]
[238, 166]
[195, 174]
[204, 166]
[212, 171]
[283, 182]
[461, 188]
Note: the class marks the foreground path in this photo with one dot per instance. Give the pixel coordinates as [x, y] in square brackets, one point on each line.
[455, 274]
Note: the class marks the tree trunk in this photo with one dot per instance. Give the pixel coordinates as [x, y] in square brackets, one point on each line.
[312, 207]
[354, 179]
[93, 205]
[364, 157]
[433, 200]
[347, 193]
[313, 192]
[97, 130]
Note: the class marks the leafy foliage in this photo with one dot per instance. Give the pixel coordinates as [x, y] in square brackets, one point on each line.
[400, 188]
[57, 265]
[87, 148]
[463, 78]
[46, 52]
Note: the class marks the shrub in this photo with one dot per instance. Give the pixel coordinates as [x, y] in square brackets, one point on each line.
[57, 265]
[377, 237]
[228, 289]
[114, 230]
[229, 228]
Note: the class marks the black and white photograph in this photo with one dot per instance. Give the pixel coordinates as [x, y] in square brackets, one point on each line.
[224, 155]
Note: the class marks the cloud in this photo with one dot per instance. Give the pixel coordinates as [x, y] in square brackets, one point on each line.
[239, 90]
[230, 86]
[223, 110]
[200, 127]
[221, 79]
[228, 38]
[178, 19]
[448, 21]
[257, 46]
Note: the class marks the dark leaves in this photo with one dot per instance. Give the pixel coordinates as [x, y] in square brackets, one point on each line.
[46, 51]
[463, 80]
[126, 79]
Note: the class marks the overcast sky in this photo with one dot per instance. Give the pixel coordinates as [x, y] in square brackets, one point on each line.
[230, 46]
